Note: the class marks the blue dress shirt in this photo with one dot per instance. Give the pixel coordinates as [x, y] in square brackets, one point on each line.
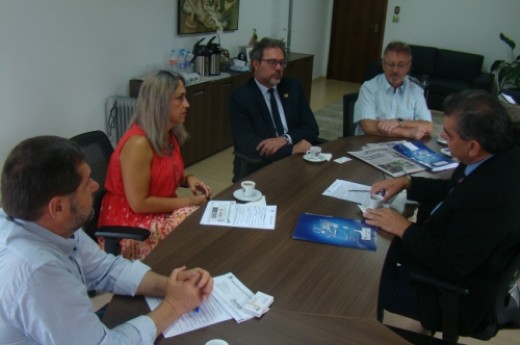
[45, 279]
[379, 101]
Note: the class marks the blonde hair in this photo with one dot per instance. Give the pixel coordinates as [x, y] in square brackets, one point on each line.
[152, 112]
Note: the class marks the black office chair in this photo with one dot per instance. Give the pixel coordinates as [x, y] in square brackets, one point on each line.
[505, 310]
[97, 149]
[243, 165]
[516, 133]
[349, 100]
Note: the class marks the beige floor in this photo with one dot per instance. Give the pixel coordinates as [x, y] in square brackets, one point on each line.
[217, 172]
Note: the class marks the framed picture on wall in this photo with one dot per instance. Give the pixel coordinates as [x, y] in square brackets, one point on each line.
[199, 16]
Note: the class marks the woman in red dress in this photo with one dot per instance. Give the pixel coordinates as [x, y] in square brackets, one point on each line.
[146, 167]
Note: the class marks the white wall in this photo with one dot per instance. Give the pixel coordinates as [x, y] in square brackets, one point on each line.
[61, 59]
[464, 25]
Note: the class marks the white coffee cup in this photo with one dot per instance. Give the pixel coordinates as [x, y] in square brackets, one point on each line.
[217, 342]
[248, 187]
[376, 201]
[314, 152]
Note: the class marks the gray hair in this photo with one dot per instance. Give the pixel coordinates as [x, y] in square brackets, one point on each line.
[398, 47]
[258, 50]
[152, 112]
[482, 118]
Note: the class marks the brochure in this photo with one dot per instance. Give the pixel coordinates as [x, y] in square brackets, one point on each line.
[336, 231]
[386, 159]
[423, 155]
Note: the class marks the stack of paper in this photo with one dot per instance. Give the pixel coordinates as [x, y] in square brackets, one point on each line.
[259, 304]
[230, 299]
[383, 157]
[232, 295]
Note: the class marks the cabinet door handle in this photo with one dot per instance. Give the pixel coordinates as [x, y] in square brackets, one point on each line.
[198, 93]
[227, 84]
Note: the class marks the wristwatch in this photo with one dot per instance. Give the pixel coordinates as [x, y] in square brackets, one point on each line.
[287, 138]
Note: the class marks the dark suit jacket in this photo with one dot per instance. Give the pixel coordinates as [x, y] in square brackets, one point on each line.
[251, 121]
[471, 237]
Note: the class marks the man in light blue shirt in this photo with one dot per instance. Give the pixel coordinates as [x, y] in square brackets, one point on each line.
[47, 265]
[390, 104]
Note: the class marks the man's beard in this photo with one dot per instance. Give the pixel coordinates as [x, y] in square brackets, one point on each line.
[80, 219]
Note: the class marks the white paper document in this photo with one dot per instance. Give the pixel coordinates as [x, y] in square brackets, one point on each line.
[350, 191]
[226, 302]
[232, 294]
[229, 213]
[209, 313]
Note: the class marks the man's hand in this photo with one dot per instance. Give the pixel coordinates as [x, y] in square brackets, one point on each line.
[301, 147]
[187, 289]
[418, 132]
[184, 290]
[204, 280]
[390, 187]
[387, 220]
[270, 146]
[387, 126]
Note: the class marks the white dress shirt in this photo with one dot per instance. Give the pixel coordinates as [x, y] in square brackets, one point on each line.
[379, 101]
[43, 291]
[267, 98]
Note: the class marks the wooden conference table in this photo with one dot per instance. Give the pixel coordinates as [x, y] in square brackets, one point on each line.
[312, 284]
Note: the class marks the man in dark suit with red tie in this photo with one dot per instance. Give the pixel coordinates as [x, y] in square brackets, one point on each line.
[270, 117]
[468, 227]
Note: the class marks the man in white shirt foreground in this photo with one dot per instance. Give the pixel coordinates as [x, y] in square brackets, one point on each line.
[391, 104]
[48, 264]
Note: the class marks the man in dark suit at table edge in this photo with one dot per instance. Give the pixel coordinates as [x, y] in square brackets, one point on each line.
[257, 134]
[468, 227]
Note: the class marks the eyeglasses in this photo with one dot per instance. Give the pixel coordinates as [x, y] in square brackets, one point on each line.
[399, 65]
[273, 63]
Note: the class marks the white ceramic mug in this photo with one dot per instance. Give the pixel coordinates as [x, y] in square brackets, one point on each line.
[376, 201]
[248, 187]
[314, 152]
[217, 342]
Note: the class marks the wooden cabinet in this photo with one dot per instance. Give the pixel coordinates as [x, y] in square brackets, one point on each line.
[208, 121]
[198, 145]
[221, 119]
[299, 66]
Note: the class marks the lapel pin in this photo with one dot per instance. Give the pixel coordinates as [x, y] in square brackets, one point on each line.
[285, 95]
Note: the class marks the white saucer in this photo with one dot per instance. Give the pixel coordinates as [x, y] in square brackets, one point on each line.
[320, 159]
[446, 151]
[239, 195]
[441, 141]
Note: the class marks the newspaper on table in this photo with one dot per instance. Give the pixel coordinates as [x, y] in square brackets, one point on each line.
[383, 157]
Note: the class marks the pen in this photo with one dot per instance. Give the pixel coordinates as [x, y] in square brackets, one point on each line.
[359, 190]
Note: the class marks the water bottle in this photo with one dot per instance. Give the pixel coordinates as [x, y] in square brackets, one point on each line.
[172, 61]
[181, 60]
[188, 62]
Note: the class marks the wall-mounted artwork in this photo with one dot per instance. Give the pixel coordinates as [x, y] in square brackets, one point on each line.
[198, 16]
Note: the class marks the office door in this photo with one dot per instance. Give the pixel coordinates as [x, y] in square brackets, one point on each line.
[356, 38]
